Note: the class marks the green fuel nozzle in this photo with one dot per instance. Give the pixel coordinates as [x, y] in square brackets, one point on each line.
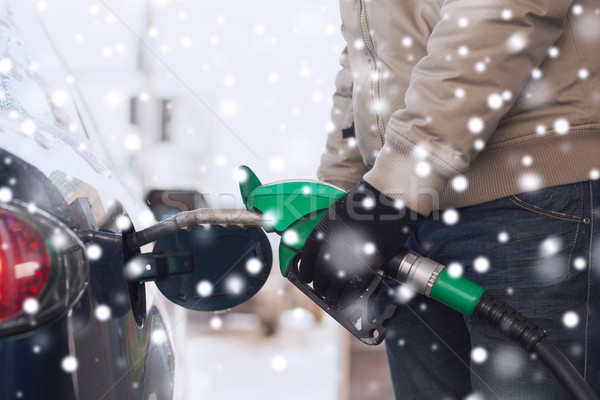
[293, 209]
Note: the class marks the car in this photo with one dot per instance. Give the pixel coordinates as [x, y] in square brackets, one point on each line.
[81, 313]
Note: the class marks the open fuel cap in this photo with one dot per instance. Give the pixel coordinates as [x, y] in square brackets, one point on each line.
[210, 268]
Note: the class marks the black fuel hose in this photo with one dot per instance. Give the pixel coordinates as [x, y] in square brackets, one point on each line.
[519, 329]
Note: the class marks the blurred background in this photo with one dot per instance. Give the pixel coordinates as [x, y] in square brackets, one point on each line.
[183, 92]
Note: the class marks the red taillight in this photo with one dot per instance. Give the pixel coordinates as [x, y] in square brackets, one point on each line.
[24, 266]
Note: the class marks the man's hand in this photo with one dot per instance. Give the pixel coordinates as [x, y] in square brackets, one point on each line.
[358, 233]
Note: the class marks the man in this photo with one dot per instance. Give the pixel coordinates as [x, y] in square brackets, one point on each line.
[486, 113]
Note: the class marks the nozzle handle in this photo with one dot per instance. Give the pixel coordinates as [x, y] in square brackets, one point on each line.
[357, 317]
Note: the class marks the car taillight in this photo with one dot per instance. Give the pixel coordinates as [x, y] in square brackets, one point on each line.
[24, 266]
[43, 268]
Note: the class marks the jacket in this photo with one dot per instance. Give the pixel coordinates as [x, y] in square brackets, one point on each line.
[451, 103]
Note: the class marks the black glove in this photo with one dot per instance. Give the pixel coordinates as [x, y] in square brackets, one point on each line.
[358, 233]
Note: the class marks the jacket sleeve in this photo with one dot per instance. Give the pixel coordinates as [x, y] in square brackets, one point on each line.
[438, 134]
[341, 163]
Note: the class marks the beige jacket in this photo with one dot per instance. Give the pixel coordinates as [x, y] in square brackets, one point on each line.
[459, 102]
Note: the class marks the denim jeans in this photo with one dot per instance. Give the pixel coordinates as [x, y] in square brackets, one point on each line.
[540, 253]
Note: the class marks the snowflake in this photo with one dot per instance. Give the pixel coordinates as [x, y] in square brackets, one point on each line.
[369, 248]
[455, 270]
[134, 269]
[405, 293]
[133, 142]
[31, 306]
[550, 246]
[110, 19]
[423, 168]
[28, 127]
[158, 336]
[407, 41]
[254, 266]
[6, 194]
[228, 80]
[6, 65]
[259, 29]
[103, 312]
[579, 263]
[290, 237]
[494, 101]
[561, 126]
[529, 181]
[450, 216]
[481, 264]
[368, 203]
[460, 183]
[186, 41]
[123, 223]
[570, 319]
[228, 107]
[507, 361]
[114, 98]
[216, 323]
[58, 239]
[204, 288]
[93, 251]
[503, 237]
[479, 355]
[107, 52]
[234, 284]
[475, 125]
[516, 42]
[279, 363]
[69, 364]
[305, 72]
[59, 98]
[540, 129]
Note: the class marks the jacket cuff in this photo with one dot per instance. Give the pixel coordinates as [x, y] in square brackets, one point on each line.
[403, 176]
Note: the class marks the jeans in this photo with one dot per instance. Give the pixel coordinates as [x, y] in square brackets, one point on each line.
[540, 253]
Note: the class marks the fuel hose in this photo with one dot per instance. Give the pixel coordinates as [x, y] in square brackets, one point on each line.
[433, 280]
